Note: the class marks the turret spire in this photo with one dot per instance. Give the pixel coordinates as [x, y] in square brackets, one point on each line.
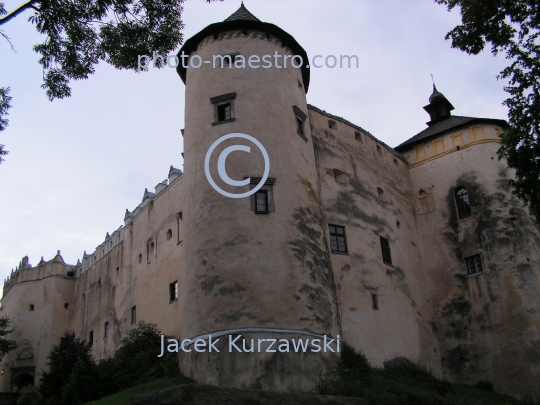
[439, 107]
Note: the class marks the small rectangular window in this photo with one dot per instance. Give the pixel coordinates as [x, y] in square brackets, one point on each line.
[66, 305]
[474, 265]
[261, 202]
[386, 253]
[224, 112]
[300, 118]
[300, 126]
[106, 330]
[31, 308]
[91, 338]
[223, 108]
[374, 300]
[173, 292]
[134, 315]
[338, 242]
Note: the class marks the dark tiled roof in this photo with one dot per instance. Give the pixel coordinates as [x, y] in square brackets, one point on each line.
[242, 14]
[446, 125]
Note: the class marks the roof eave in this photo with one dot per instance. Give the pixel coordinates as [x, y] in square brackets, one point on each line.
[408, 145]
[287, 40]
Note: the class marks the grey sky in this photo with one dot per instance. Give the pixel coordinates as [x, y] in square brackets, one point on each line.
[77, 164]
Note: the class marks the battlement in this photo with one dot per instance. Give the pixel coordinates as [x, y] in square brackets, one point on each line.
[111, 241]
[25, 272]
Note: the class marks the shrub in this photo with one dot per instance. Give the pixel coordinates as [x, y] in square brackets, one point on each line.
[29, 395]
[67, 364]
[484, 386]
[136, 360]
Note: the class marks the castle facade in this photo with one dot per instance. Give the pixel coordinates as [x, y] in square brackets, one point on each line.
[419, 251]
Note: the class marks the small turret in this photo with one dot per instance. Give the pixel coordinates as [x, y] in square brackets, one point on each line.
[438, 108]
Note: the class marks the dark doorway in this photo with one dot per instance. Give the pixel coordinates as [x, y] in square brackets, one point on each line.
[22, 380]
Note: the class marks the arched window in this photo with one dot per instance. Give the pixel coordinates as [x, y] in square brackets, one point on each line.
[463, 203]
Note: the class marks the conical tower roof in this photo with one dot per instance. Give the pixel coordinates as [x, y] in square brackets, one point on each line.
[242, 14]
[242, 20]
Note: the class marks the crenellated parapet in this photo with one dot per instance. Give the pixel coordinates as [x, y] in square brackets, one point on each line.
[148, 196]
[25, 272]
[114, 239]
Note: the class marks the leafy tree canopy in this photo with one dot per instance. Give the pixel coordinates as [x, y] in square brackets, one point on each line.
[81, 33]
[511, 27]
[6, 345]
[66, 361]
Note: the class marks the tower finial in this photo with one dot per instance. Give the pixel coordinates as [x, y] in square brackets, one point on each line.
[433, 81]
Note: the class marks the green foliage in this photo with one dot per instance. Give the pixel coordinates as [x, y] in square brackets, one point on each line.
[6, 345]
[512, 27]
[29, 395]
[406, 384]
[81, 33]
[73, 376]
[136, 359]
[124, 397]
[70, 371]
[4, 107]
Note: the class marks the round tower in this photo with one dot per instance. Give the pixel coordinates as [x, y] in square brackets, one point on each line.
[256, 266]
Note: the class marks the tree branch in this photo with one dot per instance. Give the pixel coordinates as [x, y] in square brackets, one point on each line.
[8, 39]
[16, 12]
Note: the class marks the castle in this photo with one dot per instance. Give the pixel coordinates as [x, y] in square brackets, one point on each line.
[419, 251]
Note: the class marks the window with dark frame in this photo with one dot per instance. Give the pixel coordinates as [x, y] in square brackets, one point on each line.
[223, 108]
[91, 338]
[386, 252]
[300, 117]
[261, 202]
[474, 265]
[299, 126]
[133, 315]
[173, 291]
[463, 203]
[106, 330]
[338, 242]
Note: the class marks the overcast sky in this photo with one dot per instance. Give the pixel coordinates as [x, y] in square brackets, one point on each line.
[77, 164]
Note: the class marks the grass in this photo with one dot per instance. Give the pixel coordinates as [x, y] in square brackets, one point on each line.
[408, 384]
[123, 397]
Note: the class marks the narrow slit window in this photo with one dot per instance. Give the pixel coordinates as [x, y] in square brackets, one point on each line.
[261, 202]
[375, 301]
[386, 252]
[463, 203]
[338, 242]
[106, 330]
[134, 315]
[91, 338]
